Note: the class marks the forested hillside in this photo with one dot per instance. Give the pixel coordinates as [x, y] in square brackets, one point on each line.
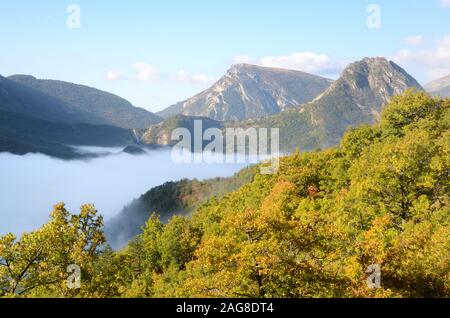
[312, 230]
[169, 199]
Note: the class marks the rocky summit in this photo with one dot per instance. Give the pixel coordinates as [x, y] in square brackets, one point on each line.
[249, 92]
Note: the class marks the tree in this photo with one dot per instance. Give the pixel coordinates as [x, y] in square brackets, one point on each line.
[38, 261]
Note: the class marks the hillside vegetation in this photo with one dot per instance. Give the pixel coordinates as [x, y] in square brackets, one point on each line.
[172, 198]
[312, 230]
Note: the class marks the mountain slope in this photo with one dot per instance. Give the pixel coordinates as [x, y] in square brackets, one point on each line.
[249, 91]
[18, 98]
[96, 106]
[32, 121]
[171, 111]
[439, 87]
[21, 134]
[357, 97]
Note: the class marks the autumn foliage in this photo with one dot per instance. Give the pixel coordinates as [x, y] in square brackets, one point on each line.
[311, 230]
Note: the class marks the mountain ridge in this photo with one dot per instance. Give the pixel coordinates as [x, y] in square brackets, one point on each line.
[359, 95]
[21, 134]
[99, 107]
[32, 121]
[356, 97]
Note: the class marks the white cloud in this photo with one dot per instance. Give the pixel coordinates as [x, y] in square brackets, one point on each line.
[429, 63]
[444, 3]
[415, 40]
[145, 72]
[113, 75]
[186, 78]
[309, 62]
[305, 61]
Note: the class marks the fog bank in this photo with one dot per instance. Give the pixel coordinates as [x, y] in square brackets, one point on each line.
[31, 185]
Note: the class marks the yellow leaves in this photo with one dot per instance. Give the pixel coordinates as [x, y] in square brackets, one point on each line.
[246, 223]
[280, 204]
[216, 252]
[374, 243]
[313, 229]
[40, 258]
[6, 243]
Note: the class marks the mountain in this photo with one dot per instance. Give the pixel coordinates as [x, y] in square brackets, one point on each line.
[356, 98]
[18, 98]
[90, 105]
[250, 91]
[171, 111]
[21, 134]
[440, 87]
[359, 96]
[32, 121]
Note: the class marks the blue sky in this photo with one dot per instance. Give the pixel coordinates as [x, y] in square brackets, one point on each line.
[155, 53]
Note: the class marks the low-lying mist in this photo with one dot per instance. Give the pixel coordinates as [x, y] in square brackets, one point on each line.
[31, 185]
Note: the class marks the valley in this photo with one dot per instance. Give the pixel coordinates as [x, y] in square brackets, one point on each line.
[54, 118]
[107, 177]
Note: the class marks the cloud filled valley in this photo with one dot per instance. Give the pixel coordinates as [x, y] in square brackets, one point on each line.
[30, 185]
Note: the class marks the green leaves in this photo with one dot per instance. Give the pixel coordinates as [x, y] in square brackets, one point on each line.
[39, 260]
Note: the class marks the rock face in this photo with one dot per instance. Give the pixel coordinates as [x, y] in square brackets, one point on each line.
[439, 87]
[249, 92]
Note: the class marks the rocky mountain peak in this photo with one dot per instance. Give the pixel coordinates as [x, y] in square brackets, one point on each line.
[372, 82]
[249, 91]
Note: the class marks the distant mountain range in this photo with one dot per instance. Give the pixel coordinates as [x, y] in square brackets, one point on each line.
[440, 87]
[21, 134]
[89, 105]
[34, 121]
[312, 112]
[250, 92]
[357, 97]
